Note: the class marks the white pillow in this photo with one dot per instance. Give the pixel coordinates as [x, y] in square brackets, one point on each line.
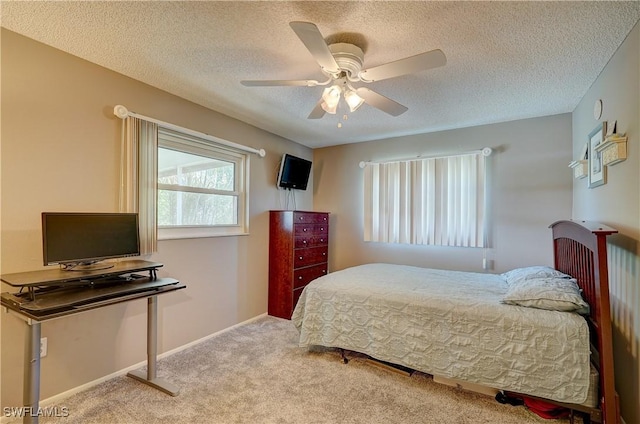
[527, 273]
[551, 293]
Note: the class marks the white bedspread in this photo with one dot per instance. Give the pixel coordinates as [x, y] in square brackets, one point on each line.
[450, 324]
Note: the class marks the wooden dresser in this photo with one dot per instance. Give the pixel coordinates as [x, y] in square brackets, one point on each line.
[298, 253]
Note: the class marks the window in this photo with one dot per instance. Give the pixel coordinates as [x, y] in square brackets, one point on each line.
[182, 183]
[437, 201]
[201, 188]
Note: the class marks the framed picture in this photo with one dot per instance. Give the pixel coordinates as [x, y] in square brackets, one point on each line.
[597, 171]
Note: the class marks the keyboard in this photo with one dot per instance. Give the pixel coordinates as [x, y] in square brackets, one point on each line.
[62, 298]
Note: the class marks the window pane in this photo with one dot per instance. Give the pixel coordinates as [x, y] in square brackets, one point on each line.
[183, 208]
[192, 170]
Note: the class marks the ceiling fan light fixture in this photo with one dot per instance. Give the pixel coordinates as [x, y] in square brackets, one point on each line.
[329, 108]
[331, 98]
[353, 100]
[331, 95]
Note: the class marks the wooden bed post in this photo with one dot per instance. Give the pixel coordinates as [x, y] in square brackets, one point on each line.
[610, 409]
[580, 250]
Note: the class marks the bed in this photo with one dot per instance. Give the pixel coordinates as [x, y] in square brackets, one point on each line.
[485, 329]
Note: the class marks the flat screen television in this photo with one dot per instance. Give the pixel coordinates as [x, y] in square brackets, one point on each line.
[81, 241]
[294, 172]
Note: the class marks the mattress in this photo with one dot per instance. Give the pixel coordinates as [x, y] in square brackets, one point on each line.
[448, 323]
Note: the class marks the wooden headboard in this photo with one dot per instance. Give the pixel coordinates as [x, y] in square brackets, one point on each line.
[580, 250]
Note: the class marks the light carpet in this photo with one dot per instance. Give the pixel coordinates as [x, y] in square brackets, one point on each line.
[256, 373]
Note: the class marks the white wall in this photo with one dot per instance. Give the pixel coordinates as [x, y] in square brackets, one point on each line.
[60, 152]
[617, 204]
[530, 189]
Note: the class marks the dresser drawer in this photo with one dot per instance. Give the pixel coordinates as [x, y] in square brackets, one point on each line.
[311, 240]
[305, 229]
[310, 217]
[310, 256]
[304, 276]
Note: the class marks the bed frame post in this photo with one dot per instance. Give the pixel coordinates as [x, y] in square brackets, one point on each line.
[610, 409]
[580, 249]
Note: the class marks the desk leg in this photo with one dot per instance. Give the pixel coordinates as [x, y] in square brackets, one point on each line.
[152, 343]
[31, 389]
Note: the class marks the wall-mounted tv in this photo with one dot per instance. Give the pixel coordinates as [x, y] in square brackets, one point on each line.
[294, 172]
[78, 240]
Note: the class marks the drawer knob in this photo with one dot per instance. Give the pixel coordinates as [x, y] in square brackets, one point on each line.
[324, 253]
[324, 271]
[304, 242]
[321, 239]
[300, 277]
[301, 218]
[321, 228]
[300, 257]
[304, 229]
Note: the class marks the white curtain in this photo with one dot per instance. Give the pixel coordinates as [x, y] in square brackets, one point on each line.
[138, 178]
[439, 201]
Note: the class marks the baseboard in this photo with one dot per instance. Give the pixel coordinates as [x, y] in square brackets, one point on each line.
[56, 399]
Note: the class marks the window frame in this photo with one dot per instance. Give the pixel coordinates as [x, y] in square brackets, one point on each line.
[191, 144]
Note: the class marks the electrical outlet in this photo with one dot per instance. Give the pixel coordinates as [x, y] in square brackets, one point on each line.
[487, 264]
[43, 347]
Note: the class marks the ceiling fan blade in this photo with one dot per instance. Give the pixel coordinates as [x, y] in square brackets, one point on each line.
[409, 65]
[381, 102]
[270, 83]
[311, 37]
[317, 111]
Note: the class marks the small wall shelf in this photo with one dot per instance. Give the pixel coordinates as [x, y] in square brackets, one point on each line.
[580, 168]
[613, 149]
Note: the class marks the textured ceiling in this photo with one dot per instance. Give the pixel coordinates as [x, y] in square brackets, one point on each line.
[505, 60]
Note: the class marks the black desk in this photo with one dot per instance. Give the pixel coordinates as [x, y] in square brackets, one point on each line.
[86, 290]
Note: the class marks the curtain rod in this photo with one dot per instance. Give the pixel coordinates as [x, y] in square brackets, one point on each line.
[122, 113]
[485, 151]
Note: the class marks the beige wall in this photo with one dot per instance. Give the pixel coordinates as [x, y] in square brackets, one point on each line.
[530, 189]
[60, 152]
[617, 204]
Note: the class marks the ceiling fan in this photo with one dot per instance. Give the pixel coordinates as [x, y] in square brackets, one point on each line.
[342, 64]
